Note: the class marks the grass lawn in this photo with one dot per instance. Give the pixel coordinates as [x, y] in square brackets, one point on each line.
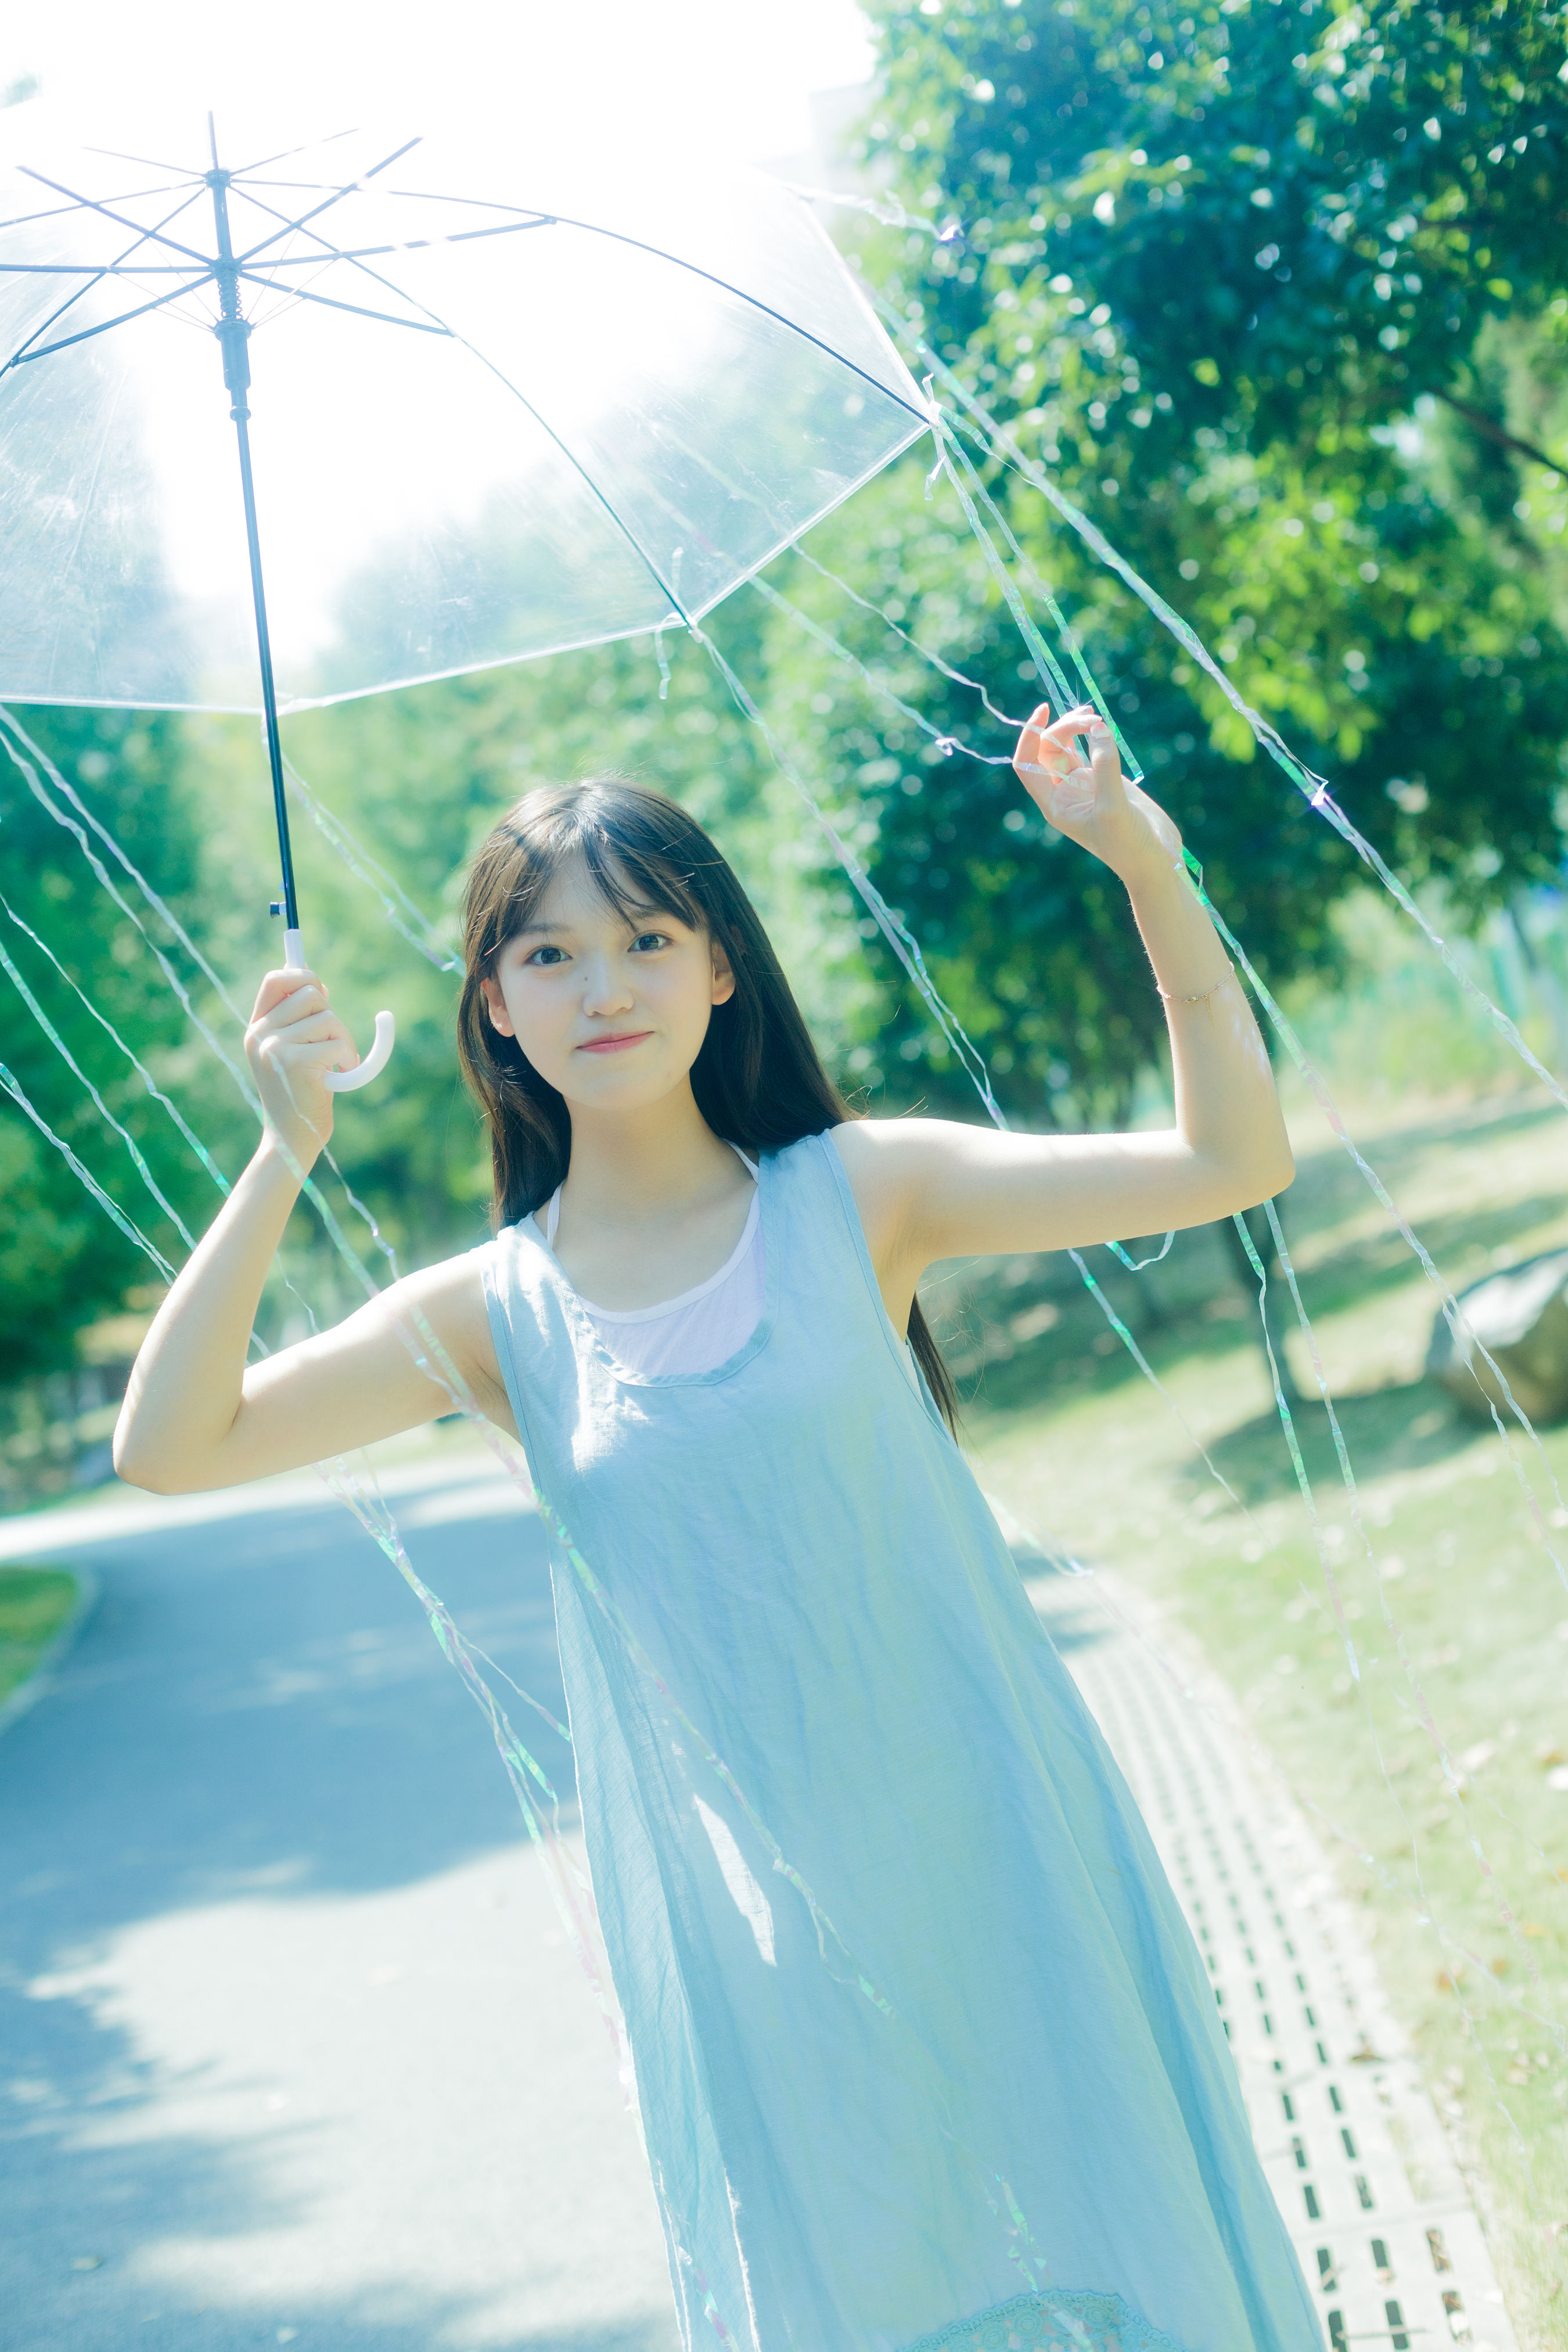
[35, 1603]
[1454, 1605]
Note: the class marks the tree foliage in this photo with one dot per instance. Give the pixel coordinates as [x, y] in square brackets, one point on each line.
[1277, 294]
[62, 1262]
[1234, 273]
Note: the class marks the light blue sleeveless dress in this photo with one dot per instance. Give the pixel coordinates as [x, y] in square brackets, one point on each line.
[925, 2054]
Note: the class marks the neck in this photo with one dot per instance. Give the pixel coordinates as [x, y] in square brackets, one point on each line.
[628, 1167]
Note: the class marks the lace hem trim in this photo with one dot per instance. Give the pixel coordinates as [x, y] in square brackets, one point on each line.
[1065, 2319]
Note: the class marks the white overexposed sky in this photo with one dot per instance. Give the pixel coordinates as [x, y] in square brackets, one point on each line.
[725, 78]
[612, 92]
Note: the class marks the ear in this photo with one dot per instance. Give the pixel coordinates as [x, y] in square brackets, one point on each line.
[723, 977]
[501, 1019]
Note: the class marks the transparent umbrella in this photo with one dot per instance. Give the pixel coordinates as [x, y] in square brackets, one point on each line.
[493, 421]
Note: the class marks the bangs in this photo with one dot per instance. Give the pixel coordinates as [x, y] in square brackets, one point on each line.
[758, 1080]
[658, 886]
[632, 869]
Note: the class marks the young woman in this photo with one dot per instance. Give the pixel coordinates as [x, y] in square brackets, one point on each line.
[925, 2054]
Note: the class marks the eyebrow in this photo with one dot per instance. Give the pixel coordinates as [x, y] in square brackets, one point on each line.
[545, 930]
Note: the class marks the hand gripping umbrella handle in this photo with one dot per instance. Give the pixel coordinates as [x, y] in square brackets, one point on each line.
[348, 1082]
[345, 1081]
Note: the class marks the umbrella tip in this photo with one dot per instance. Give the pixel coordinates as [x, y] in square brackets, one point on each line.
[212, 137]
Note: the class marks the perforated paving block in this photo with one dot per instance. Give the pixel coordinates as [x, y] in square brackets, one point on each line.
[1350, 2140]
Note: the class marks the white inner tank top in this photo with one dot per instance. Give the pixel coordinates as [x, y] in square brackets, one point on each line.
[701, 1329]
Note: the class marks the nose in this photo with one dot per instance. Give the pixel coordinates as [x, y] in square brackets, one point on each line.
[605, 988]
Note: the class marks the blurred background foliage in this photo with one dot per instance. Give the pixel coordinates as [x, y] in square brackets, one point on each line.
[1271, 291]
[62, 1262]
[1277, 295]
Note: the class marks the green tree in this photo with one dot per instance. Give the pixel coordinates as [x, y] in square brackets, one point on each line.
[63, 1263]
[1232, 272]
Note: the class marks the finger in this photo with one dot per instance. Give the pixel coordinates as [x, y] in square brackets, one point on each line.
[1104, 758]
[1045, 748]
[1027, 751]
[1071, 723]
[301, 1004]
[1054, 762]
[311, 1028]
[337, 1052]
[277, 986]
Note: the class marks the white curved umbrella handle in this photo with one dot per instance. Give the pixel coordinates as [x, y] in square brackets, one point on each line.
[348, 1082]
[345, 1082]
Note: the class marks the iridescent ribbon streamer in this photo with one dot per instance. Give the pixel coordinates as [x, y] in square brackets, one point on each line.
[396, 905]
[84, 1174]
[9, 729]
[187, 1132]
[966, 484]
[1315, 788]
[946, 745]
[19, 983]
[926, 653]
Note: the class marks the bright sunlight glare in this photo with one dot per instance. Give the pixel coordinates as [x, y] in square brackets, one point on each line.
[688, 78]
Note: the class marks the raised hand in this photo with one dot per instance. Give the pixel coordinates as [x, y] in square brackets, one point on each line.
[293, 1040]
[1090, 800]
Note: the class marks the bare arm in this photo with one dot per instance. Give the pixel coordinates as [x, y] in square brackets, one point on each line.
[930, 1189]
[195, 1414]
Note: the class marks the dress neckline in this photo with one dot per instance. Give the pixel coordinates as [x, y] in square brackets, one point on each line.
[682, 1298]
[590, 1340]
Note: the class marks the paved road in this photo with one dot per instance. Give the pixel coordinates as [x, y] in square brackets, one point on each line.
[291, 2049]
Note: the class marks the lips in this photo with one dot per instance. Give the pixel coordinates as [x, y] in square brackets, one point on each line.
[615, 1044]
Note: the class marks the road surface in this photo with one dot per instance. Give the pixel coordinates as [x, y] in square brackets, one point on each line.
[293, 2049]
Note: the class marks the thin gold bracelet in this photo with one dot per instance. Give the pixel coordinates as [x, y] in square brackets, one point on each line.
[1204, 993]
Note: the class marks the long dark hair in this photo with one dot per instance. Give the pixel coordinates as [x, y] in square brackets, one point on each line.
[758, 1079]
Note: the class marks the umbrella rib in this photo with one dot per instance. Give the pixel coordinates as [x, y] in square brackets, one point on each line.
[60, 309]
[328, 253]
[361, 253]
[438, 326]
[153, 163]
[628, 533]
[283, 154]
[20, 359]
[402, 245]
[59, 212]
[357, 310]
[326, 201]
[101, 269]
[640, 244]
[91, 205]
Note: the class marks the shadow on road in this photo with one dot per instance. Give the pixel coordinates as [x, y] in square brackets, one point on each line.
[233, 1675]
[258, 1707]
[257, 1776]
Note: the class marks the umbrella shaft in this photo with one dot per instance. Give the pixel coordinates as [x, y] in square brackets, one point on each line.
[234, 335]
[264, 654]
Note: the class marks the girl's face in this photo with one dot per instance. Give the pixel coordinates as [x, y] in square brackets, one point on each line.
[611, 1010]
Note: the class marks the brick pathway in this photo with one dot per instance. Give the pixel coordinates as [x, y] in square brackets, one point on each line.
[1349, 2136]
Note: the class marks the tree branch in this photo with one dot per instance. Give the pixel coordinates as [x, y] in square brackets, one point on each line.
[1504, 439]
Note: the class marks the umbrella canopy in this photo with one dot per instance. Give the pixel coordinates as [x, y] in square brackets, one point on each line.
[491, 421]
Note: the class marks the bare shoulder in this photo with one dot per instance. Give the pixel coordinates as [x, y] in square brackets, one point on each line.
[891, 1164]
[891, 1151]
[441, 1311]
[454, 1285]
